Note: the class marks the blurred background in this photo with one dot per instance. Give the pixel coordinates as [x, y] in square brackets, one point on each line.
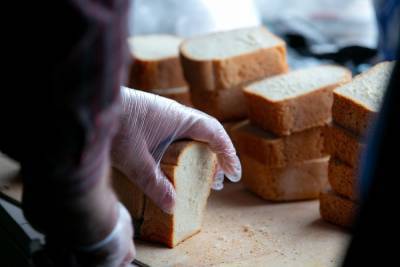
[316, 31]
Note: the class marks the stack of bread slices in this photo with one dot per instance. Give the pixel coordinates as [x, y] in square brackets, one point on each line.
[281, 146]
[156, 67]
[218, 65]
[355, 104]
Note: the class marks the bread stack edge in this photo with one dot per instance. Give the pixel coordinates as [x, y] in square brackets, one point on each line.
[156, 67]
[355, 105]
[281, 145]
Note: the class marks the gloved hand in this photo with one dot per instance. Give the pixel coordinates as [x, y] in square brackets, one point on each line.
[148, 125]
[117, 249]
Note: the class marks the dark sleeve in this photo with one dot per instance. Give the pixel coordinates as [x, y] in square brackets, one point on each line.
[61, 114]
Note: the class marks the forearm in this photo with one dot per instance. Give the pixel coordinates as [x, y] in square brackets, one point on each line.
[81, 219]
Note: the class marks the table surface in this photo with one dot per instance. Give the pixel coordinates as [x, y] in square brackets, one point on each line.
[239, 229]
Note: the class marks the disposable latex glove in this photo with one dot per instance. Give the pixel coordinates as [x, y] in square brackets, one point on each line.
[148, 125]
[117, 249]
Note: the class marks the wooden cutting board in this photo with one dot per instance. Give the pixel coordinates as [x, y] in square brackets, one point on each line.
[240, 229]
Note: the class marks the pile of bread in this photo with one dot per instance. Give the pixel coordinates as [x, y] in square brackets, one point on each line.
[280, 122]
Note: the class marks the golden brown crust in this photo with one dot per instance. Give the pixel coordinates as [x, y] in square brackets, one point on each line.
[129, 194]
[343, 179]
[213, 75]
[275, 151]
[292, 115]
[337, 210]
[157, 225]
[342, 144]
[226, 105]
[296, 182]
[181, 96]
[351, 115]
[156, 74]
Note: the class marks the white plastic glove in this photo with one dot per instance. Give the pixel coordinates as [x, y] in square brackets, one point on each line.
[117, 249]
[148, 125]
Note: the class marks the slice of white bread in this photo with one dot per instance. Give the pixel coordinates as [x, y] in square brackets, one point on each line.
[343, 179]
[303, 180]
[357, 102]
[276, 151]
[337, 210]
[227, 59]
[156, 63]
[225, 105]
[129, 194]
[179, 94]
[295, 101]
[190, 166]
[342, 144]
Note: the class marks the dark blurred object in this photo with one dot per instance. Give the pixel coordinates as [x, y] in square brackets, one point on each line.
[375, 241]
[350, 56]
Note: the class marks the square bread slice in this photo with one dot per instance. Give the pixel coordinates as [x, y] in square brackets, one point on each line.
[356, 103]
[295, 101]
[179, 94]
[227, 59]
[304, 180]
[225, 105]
[156, 63]
[129, 194]
[337, 210]
[342, 144]
[190, 166]
[276, 151]
[343, 179]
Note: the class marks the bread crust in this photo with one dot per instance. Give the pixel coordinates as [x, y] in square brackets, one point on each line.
[129, 194]
[276, 151]
[181, 96]
[156, 74]
[220, 74]
[337, 210]
[293, 114]
[343, 179]
[342, 144]
[226, 105]
[298, 181]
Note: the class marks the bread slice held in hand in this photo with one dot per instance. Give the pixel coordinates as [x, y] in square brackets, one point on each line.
[156, 62]
[190, 166]
[356, 103]
[227, 59]
[295, 101]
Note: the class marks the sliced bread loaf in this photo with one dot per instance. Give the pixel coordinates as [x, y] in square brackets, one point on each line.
[295, 101]
[276, 151]
[356, 103]
[129, 194]
[342, 144]
[298, 181]
[343, 179]
[179, 94]
[336, 209]
[227, 59]
[156, 63]
[190, 166]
